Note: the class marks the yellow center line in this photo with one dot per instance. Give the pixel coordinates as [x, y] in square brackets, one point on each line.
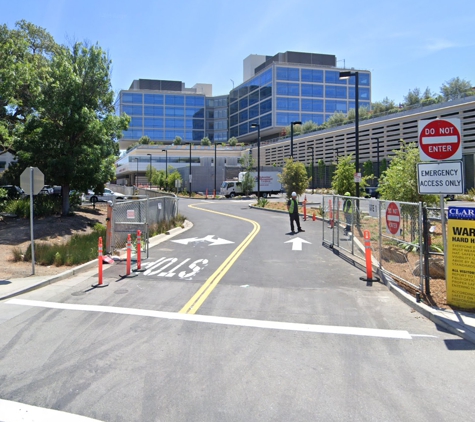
[205, 290]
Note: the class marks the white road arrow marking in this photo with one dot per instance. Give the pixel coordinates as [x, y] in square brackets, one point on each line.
[297, 243]
[210, 238]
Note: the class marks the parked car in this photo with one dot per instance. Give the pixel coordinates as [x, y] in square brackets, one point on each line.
[13, 192]
[46, 190]
[108, 195]
[371, 192]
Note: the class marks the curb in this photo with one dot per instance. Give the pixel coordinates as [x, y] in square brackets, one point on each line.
[94, 263]
[451, 326]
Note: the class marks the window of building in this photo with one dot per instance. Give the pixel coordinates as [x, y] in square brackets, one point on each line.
[311, 75]
[133, 134]
[234, 131]
[243, 116]
[285, 88]
[198, 135]
[311, 105]
[333, 91]
[195, 112]
[284, 119]
[265, 92]
[266, 121]
[243, 129]
[154, 135]
[288, 103]
[315, 118]
[150, 122]
[174, 111]
[254, 84]
[363, 93]
[288, 74]
[253, 112]
[136, 122]
[198, 124]
[195, 101]
[234, 120]
[243, 103]
[253, 98]
[333, 77]
[234, 107]
[156, 99]
[334, 105]
[243, 90]
[265, 106]
[310, 90]
[175, 100]
[128, 97]
[132, 110]
[265, 77]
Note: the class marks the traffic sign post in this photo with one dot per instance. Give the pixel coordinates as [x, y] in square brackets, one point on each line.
[440, 140]
[442, 178]
[32, 181]
[393, 218]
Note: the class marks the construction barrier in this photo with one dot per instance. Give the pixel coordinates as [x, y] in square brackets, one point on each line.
[139, 251]
[368, 256]
[129, 255]
[100, 259]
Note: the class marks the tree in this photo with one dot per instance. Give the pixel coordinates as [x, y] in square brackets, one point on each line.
[177, 140]
[158, 177]
[145, 140]
[294, 177]
[368, 169]
[71, 134]
[344, 176]
[309, 126]
[456, 88]
[297, 130]
[384, 106]
[232, 142]
[413, 97]
[172, 177]
[321, 170]
[383, 166]
[399, 181]
[336, 119]
[205, 141]
[25, 53]
[248, 180]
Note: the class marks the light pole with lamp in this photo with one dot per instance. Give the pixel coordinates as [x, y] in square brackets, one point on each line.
[137, 172]
[258, 158]
[189, 175]
[215, 166]
[150, 181]
[292, 137]
[377, 155]
[347, 75]
[313, 165]
[166, 162]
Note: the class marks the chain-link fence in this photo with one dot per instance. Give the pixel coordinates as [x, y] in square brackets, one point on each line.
[142, 213]
[395, 230]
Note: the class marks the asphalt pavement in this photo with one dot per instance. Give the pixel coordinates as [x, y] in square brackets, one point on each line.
[233, 319]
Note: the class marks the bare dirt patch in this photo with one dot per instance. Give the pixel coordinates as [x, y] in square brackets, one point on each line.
[15, 233]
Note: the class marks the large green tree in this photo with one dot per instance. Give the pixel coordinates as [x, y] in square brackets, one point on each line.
[399, 181]
[71, 134]
[456, 88]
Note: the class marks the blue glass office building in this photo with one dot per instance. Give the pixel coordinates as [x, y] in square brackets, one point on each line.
[163, 110]
[291, 87]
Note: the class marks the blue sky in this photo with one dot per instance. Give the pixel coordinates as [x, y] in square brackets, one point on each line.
[405, 44]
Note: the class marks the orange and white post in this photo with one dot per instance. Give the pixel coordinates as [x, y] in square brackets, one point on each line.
[369, 262]
[99, 250]
[305, 209]
[331, 212]
[129, 254]
[139, 250]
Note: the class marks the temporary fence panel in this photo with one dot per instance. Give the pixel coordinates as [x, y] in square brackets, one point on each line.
[128, 217]
[395, 229]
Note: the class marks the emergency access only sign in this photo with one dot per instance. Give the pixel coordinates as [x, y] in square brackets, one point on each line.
[440, 140]
[440, 178]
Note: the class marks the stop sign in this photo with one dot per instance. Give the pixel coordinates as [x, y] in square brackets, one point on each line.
[26, 179]
[393, 218]
[440, 140]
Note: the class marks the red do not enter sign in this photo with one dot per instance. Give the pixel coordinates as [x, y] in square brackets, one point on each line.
[393, 218]
[440, 140]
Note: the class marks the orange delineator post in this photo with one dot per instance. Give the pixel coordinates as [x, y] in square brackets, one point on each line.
[214, 193]
[367, 246]
[109, 229]
[314, 216]
[99, 249]
[139, 250]
[129, 254]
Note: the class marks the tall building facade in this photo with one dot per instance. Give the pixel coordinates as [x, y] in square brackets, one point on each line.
[291, 87]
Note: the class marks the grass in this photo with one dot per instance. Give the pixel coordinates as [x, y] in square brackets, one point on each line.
[78, 250]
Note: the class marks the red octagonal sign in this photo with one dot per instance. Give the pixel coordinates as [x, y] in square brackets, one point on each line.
[393, 218]
[440, 140]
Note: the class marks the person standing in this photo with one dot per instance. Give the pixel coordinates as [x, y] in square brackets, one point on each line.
[348, 211]
[293, 209]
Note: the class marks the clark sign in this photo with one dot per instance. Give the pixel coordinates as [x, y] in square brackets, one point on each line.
[440, 140]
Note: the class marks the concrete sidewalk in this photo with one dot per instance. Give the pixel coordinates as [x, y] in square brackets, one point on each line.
[459, 323]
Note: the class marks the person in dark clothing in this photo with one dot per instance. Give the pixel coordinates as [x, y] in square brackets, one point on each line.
[293, 208]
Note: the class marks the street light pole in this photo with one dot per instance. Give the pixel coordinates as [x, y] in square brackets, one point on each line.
[292, 137]
[258, 158]
[166, 162]
[377, 155]
[150, 181]
[137, 172]
[313, 165]
[215, 166]
[189, 176]
[347, 75]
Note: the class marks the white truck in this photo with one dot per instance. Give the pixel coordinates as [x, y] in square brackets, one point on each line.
[270, 185]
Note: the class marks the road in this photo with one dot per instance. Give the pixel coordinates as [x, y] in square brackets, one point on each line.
[229, 323]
